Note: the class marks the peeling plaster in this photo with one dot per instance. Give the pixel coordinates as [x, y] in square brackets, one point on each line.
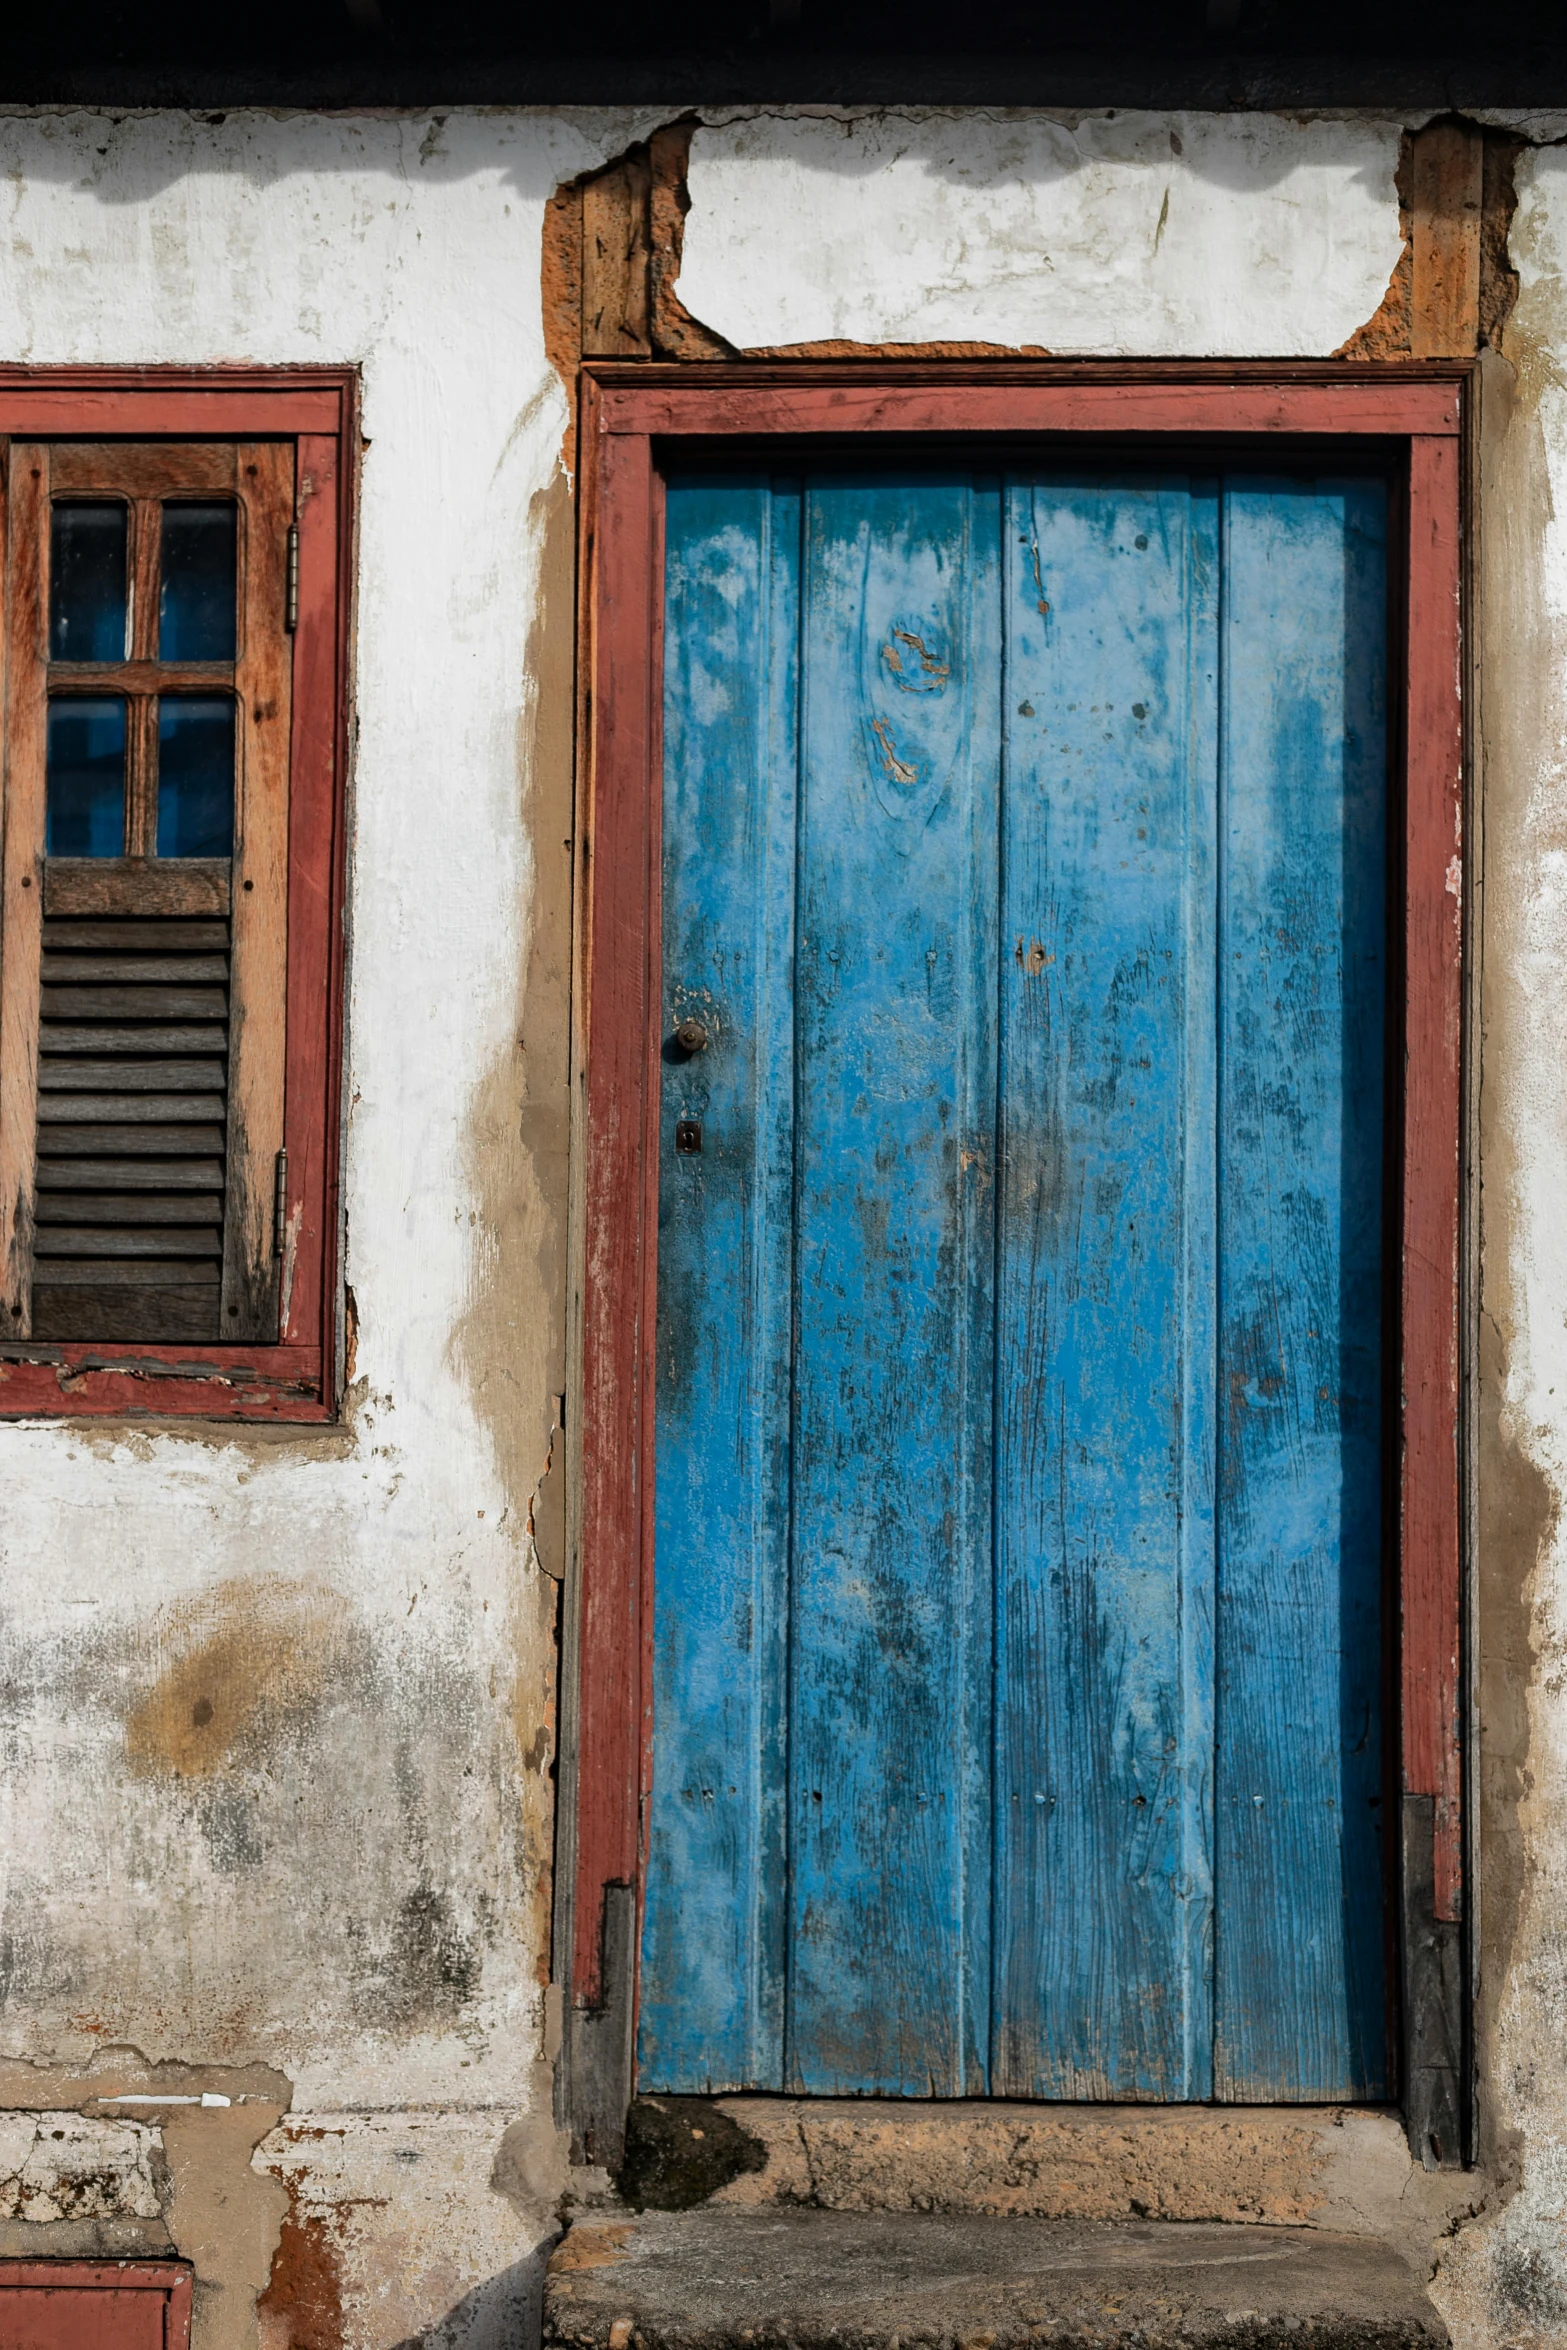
[56, 2166]
[1183, 235]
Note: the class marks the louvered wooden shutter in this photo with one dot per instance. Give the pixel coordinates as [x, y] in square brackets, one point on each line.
[142, 997]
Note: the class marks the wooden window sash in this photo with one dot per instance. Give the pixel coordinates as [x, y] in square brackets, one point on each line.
[251, 889]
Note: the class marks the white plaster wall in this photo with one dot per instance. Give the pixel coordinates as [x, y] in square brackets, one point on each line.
[1504, 2280]
[1112, 234]
[384, 1583]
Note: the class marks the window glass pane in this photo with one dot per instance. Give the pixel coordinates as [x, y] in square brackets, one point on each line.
[85, 805]
[87, 584]
[195, 777]
[196, 613]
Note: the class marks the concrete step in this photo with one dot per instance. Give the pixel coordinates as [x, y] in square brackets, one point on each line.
[780, 2279]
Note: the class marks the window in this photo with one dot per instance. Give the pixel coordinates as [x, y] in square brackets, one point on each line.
[167, 982]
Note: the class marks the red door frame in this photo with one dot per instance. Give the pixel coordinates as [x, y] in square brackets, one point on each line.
[1418, 413]
[316, 408]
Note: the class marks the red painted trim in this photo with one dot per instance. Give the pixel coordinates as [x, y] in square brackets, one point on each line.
[620, 1014]
[1075, 404]
[1433, 915]
[653, 1080]
[153, 401]
[625, 409]
[170, 2278]
[317, 408]
[313, 866]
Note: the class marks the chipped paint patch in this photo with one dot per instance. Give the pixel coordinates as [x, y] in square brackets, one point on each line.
[65, 2166]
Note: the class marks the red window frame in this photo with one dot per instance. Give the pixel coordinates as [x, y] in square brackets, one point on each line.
[79, 2304]
[293, 1380]
[1419, 414]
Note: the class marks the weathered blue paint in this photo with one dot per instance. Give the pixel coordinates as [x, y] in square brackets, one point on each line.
[895, 1110]
[1019, 1316]
[1104, 1675]
[1298, 1990]
[713, 1963]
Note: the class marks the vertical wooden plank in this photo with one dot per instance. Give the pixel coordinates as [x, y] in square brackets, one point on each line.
[1446, 210]
[258, 986]
[1433, 916]
[1298, 1857]
[711, 2007]
[316, 733]
[894, 1076]
[618, 1137]
[141, 710]
[145, 551]
[1104, 1328]
[21, 883]
[615, 254]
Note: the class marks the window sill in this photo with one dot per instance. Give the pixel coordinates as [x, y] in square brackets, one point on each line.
[166, 1382]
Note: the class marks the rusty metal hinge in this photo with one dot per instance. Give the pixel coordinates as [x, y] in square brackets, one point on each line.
[291, 596]
[280, 1204]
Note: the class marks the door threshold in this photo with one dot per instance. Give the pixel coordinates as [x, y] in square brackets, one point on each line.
[724, 2279]
[1340, 2168]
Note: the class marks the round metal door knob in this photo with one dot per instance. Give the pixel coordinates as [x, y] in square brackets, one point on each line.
[691, 1036]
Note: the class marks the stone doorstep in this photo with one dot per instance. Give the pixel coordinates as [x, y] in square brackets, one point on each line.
[772, 2278]
[1347, 2169]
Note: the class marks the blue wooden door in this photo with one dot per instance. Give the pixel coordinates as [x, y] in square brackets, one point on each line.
[1017, 1652]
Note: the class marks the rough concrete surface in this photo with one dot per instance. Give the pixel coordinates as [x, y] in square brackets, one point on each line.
[716, 2280]
[1340, 2167]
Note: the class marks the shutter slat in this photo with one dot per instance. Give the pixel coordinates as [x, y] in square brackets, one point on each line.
[98, 1240]
[137, 935]
[60, 1037]
[71, 1175]
[132, 1128]
[115, 1207]
[132, 1075]
[62, 1139]
[109, 1108]
[109, 1272]
[179, 1000]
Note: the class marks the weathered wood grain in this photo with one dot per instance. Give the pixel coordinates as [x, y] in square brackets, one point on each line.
[136, 885]
[22, 873]
[1300, 1796]
[615, 250]
[1024, 1287]
[126, 1174]
[1104, 1334]
[258, 988]
[55, 1206]
[1446, 206]
[1022, 400]
[142, 469]
[313, 1035]
[894, 1086]
[1433, 920]
[732, 572]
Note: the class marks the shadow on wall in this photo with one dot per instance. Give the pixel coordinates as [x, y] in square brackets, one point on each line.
[972, 148]
[132, 161]
[127, 162]
[506, 2312]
